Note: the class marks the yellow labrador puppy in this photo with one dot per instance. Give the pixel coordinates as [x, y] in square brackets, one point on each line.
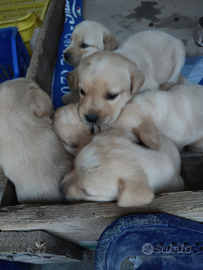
[73, 133]
[111, 167]
[88, 37]
[177, 114]
[32, 156]
[158, 55]
[108, 80]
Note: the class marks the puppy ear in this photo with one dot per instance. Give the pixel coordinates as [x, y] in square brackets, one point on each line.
[41, 104]
[72, 78]
[134, 192]
[71, 97]
[137, 78]
[110, 42]
[148, 133]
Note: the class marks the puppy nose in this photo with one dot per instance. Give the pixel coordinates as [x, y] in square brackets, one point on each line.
[66, 56]
[91, 118]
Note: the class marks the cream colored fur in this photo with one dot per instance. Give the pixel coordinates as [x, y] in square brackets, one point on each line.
[110, 73]
[158, 55]
[111, 167]
[32, 156]
[177, 114]
[73, 133]
[94, 35]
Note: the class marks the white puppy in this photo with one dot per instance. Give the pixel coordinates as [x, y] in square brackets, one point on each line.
[88, 37]
[108, 80]
[157, 55]
[111, 167]
[177, 114]
[32, 156]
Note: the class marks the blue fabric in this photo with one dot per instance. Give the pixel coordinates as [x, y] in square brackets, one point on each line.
[162, 241]
[73, 16]
[193, 69]
[201, 82]
[7, 265]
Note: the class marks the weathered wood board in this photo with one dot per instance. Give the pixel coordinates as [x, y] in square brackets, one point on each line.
[37, 247]
[45, 54]
[84, 222]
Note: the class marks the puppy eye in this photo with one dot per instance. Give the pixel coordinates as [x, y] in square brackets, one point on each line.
[83, 46]
[73, 145]
[82, 92]
[111, 96]
[85, 192]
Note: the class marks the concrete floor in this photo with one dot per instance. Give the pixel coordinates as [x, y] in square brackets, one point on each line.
[126, 17]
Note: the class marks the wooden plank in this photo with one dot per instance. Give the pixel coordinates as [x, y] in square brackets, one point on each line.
[37, 247]
[45, 54]
[81, 222]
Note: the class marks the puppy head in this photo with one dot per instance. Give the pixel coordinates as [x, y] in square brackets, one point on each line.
[71, 130]
[88, 37]
[103, 172]
[106, 82]
[25, 95]
[90, 180]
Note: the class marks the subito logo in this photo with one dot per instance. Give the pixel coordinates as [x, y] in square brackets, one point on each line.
[147, 249]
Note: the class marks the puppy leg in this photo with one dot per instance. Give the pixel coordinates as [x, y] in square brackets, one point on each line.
[166, 86]
[181, 80]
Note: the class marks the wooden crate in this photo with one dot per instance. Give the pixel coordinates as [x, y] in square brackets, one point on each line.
[82, 223]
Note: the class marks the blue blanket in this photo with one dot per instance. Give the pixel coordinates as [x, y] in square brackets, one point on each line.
[73, 16]
[193, 69]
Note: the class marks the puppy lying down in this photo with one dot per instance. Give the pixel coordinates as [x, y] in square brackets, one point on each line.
[177, 114]
[111, 167]
[32, 156]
